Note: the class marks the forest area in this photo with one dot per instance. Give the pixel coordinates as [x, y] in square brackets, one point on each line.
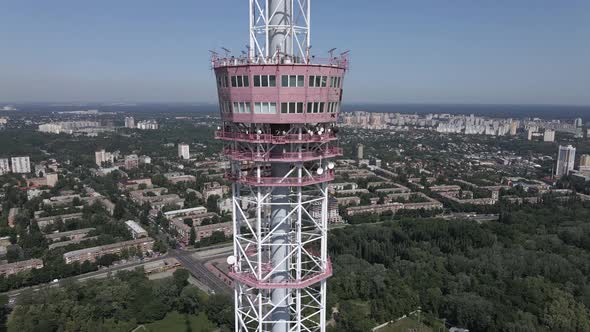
[121, 303]
[528, 271]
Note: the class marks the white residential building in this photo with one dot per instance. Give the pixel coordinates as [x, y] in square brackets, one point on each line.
[136, 230]
[21, 165]
[184, 151]
[147, 125]
[102, 156]
[129, 122]
[549, 135]
[4, 166]
[565, 160]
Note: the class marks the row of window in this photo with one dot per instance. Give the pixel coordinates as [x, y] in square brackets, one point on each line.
[286, 108]
[264, 80]
[293, 81]
[240, 81]
[241, 107]
[222, 81]
[335, 81]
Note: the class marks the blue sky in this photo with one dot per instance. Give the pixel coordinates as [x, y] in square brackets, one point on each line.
[419, 51]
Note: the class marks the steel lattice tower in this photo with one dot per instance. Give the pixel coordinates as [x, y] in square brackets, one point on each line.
[279, 107]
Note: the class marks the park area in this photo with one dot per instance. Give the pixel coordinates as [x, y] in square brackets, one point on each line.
[177, 322]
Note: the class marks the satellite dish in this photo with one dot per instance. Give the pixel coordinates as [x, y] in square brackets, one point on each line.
[231, 260]
[218, 128]
[331, 165]
[320, 171]
[259, 131]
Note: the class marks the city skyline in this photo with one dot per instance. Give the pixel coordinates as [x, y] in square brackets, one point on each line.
[524, 53]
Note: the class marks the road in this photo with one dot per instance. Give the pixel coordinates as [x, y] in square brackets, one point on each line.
[95, 274]
[196, 266]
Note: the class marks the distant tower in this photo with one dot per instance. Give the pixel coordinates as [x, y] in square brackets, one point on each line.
[279, 106]
[565, 160]
[579, 122]
[184, 151]
[360, 151]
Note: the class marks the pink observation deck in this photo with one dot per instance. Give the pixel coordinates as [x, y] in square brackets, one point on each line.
[279, 93]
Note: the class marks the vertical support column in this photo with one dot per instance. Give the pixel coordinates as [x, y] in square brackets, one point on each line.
[252, 49]
[282, 26]
[324, 254]
[279, 249]
[299, 245]
[235, 195]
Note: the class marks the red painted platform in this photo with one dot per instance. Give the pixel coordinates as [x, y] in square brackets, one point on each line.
[250, 279]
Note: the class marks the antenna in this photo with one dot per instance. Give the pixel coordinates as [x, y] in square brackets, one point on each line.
[331, 52]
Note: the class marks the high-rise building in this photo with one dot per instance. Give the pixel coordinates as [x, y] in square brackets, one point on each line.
[579, 122]
[513, 127]
[360, 151]
[21, 165]
[129, 122]
[565, 160]
[4, 166]
[101, 157]
[148, 125]
[184, 151]
[530, 133]
[131, 161]
[584, 167]
[279, 106]
[549, 135]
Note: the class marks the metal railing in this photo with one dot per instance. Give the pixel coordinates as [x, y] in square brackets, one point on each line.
[283, 156]
[275, 139]
[281, 182]
[229, 61]
[250, 279]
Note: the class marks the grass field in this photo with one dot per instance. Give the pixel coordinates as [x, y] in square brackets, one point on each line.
[406, 325]
[176, 322]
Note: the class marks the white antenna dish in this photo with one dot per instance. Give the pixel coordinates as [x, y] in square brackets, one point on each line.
[231, 260]
[320, 171]
[331, 165]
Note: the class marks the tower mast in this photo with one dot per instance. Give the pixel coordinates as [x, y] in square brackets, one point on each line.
[279, 111]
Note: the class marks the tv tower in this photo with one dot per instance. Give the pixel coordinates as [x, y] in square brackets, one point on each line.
[279, 106]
